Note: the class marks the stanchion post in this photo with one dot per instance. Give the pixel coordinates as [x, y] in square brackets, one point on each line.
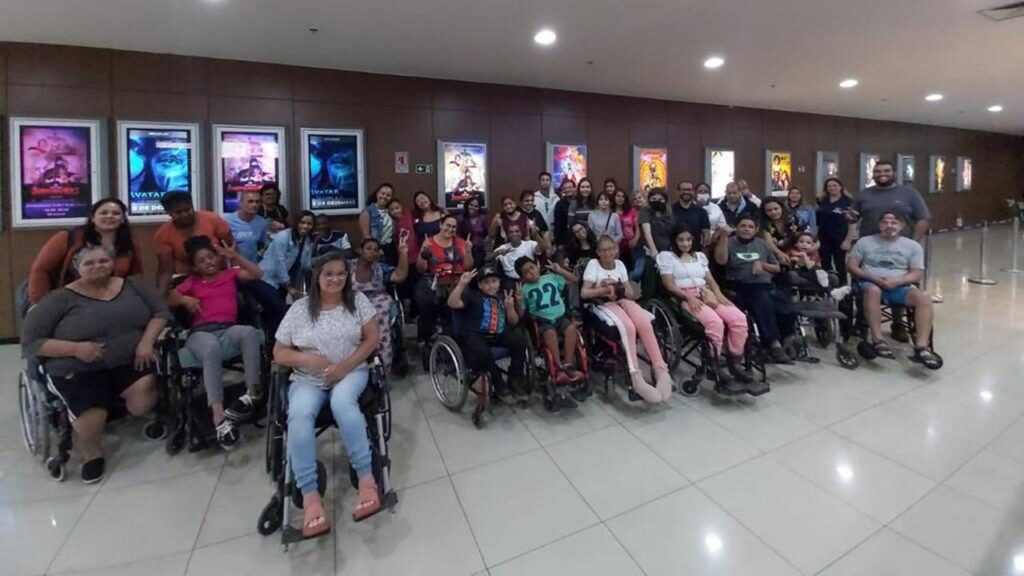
[1014, 267]
[936, 297]
[982, 277]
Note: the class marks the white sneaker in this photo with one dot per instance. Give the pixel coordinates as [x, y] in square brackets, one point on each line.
[822, 277]
[841, 293]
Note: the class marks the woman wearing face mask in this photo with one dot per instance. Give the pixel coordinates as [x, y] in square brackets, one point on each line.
[376, 222]
[800, 210]
[289, 257]
[604, 221]
[715, 215]
[833, 227]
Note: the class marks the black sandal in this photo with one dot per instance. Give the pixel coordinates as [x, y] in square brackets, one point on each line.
[926, 357]
[882, 350]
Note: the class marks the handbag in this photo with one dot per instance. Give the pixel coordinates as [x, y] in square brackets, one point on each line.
[707, 296]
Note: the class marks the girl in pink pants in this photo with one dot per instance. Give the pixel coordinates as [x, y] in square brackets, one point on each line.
[687, 276]
[605, 280]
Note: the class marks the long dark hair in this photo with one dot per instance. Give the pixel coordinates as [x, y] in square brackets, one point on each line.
[627, 203]
[348, 296]
[589, 201]
[373, 195]
[416, 212]
[123, 243]
[782, 206]
[675, 240]
[295, 226]
[824, 188]
[574, 242]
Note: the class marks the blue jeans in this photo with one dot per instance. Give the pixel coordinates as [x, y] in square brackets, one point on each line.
[305, 398]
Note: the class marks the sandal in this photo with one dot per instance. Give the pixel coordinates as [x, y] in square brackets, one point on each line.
[315, 521]
[368, 502]
[926, 357]
[882, 350]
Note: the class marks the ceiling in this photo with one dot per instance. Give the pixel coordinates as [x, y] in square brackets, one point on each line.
[780, 54]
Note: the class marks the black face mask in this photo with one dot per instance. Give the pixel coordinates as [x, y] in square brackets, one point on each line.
[657, 206]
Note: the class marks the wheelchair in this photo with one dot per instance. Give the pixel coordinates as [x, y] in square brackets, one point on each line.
[816, 310]
[858, 328]
[46, 424]
[399, 352]
[375, 404]
[180, 379]
[544, 365]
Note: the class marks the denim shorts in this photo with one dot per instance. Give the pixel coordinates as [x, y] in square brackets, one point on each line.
[895, 297]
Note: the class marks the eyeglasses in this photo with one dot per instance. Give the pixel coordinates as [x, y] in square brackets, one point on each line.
[335, 275]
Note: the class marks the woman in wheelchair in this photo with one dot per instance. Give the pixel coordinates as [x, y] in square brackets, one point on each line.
[371, 277]
[210, 294]
[95, 339]
[606, 285]
[686, 274]
[326, 338]
[442, 260]
[749, 265]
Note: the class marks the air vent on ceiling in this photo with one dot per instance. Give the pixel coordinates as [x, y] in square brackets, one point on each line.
[1002, 13]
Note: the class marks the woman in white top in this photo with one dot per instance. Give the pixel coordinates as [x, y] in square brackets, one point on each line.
[715, 216]
[604, 221]
[606, 285]
[685, 274]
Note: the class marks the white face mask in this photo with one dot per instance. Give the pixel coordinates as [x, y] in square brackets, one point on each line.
[703, 198]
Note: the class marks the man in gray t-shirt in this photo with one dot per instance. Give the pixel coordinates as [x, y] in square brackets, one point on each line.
[888, 196]
[887, 268]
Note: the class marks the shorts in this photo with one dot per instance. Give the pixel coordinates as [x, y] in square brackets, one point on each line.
[559, 326]
[895, 297]
[96, 389]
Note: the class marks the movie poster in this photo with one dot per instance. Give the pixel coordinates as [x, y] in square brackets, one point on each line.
[964, 169]
[155, 159]
[55, 171]
[650, 168]
[867, 169]
[828, 167]
[719, 169]
[779, 176]
[566, 162]
[332, 168]
[937, 174]
[248, 158]
[462, 173]
[906, 170]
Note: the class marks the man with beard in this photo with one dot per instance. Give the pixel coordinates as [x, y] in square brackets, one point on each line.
[186, 222]
[687, 214]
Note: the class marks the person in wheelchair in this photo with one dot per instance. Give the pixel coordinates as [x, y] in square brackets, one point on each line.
[488, 321]
[686, 274]
[805, 271]
[607, 288]
[887, 267]
[95, 339]
[543, 301]
[371, 277]
[326, 338]
[442, 259]
[508, 254]
[210, 295]
[749, 266]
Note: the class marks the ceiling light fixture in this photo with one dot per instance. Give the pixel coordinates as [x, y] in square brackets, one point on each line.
[848, 83]
[995, 108]
[714, 62]
[545, 37]
[933, 97]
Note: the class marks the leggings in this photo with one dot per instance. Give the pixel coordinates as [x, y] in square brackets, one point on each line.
[206, 347]
[631, 321]
[716, 320]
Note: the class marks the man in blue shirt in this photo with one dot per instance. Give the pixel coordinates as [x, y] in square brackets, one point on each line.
[248, 227]
[687, 214]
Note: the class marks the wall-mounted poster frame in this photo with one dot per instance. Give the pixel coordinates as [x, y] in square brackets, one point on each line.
[154, 158]
[566, 161]
[462, 172]
[650, 168]
[906, 169]
[964, 173]
[778, 172]
[826, 166]
[937, 174]
[719, 169]
[56, 170]
[245, 158]
[333, 170]
[867, 169]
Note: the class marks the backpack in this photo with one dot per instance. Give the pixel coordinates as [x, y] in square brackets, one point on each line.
[21, 301]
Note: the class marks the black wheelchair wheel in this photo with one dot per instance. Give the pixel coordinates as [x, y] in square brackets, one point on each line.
[155, 430]
[690, 387]
[270, 518]
[823, 333]
[34, 429]
[846, 358]
[448, 373]
[666, 329]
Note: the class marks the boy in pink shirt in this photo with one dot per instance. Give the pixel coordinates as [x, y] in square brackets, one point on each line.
[210, 294]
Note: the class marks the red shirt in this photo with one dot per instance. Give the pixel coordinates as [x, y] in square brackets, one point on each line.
[169, 240]
[218, 298]
[445, 261]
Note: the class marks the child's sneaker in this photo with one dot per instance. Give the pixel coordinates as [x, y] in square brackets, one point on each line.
[574, 374]
[562, 377]
[841, 293]
[227, 435]
[241, 409]
[822, 277]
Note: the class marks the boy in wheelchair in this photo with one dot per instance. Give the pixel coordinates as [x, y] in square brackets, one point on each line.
[805, 271]
[488, 322]
[543, 301]
[210, 295]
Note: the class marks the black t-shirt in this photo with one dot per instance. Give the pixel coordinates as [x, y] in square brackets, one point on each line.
[695, 219]
[279, 214]
[538, 220]
[832, 224]
[483, 314]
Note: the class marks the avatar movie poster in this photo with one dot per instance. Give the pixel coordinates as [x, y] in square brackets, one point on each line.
[156, 160]
[333, 168]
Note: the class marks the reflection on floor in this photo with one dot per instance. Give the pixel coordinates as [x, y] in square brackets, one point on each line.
[886, 470]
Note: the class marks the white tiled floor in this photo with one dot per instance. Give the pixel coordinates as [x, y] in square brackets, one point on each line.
[888, 470]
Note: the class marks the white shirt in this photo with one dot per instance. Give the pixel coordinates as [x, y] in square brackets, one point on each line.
[595, 273]
[546, 206]
[508, 259]
[715, 215]
[684, 274]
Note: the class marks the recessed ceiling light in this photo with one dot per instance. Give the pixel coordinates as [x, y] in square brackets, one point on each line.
[933, 97]
[714, 62]
[996, 108]
[545, 37]
[848, 83]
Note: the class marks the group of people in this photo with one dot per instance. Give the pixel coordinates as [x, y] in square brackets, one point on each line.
[543, 256]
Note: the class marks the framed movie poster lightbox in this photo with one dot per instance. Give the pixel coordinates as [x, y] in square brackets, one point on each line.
[867, 169]
[778, 172]
[152, 160]
[56, 170]
[964, 173]
[936, 174]
[827, 166]
[566, 162]
[462, 173]
[719, 169]
[650, 168]
[247, 158]
[906, 169]
[333, 171]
